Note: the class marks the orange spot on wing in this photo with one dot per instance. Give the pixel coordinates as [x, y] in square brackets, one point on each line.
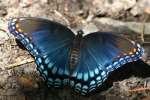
[134, 50]
[130, 53]
[17, 25]
[20, 30]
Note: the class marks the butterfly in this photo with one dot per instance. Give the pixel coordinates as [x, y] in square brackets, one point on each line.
[63, 58]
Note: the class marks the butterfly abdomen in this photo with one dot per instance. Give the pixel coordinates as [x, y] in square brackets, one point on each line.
[75, 52]
[74, 57]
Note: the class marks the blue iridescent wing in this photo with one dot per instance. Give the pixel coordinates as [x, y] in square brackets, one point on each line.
[102, 53]
[49, 42]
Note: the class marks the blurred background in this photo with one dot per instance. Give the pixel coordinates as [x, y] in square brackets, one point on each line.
[18, 77]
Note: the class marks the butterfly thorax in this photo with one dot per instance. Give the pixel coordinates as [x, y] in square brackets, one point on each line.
[75, 50]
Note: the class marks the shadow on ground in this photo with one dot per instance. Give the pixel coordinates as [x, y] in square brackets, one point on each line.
[138, 69]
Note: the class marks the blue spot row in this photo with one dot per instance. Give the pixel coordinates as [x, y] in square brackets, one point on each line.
[125, 59]
[79, 87]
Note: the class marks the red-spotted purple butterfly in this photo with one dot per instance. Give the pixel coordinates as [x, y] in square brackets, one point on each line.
[63, 58]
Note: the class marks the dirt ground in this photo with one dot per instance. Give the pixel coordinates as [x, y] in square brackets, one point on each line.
[19, 79]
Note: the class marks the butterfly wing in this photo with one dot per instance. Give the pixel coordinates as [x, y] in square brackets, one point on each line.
[101, 53]
[49, 42]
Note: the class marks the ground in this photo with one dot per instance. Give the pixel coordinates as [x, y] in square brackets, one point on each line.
[19, 79]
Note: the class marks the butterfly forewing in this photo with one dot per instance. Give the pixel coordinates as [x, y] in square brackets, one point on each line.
[49, 42]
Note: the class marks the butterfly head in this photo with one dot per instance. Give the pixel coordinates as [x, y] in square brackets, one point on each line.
[80, 32]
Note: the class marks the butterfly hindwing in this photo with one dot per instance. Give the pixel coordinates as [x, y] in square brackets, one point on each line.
[100, 54]
[49, 42]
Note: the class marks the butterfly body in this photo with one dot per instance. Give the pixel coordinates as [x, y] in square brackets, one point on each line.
[75, 50]
[62, 58]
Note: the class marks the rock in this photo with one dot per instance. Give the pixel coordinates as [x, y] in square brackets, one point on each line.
[3, 31]
[113, 7]
[108, 24]
[67, 12]
[139, 7]
[3, 11]
[89, 28]
[3, 37]
[25, 3]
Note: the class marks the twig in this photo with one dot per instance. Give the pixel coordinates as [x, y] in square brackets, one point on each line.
[3, 30]
[11, 66]
[143, 28]
[139, 89]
